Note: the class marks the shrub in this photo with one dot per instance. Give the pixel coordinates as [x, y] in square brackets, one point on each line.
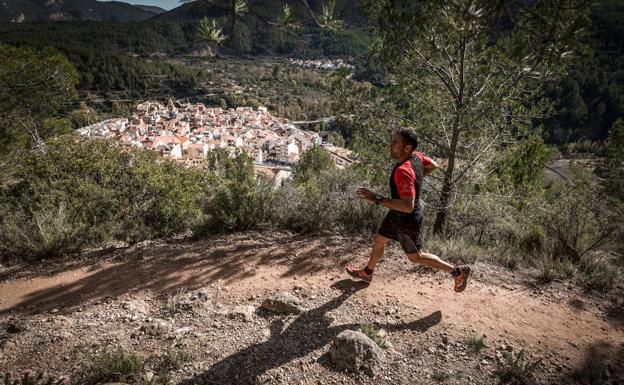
[578, 219]
[327, 202]
[378, 336]
[174, 302]
[83, 193]
[597, 272]
[514, 369]
[169, 361]
[235, 199]
[119, 366]
[455, 249]
[475, 343]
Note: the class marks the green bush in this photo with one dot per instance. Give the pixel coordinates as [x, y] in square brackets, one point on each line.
[515, 369]
[83, 193]
[476, 343]
[558, 230]
[327, 202]
[378, 336]
[597, 272]
[235, 199]
[118, 366]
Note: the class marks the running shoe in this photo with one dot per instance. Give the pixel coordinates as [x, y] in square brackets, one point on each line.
[359, 274]
[461, 276]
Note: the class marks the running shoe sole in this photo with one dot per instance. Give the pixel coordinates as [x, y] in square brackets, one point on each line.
[466, 275]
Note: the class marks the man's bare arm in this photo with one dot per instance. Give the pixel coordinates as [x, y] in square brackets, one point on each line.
[405, 205]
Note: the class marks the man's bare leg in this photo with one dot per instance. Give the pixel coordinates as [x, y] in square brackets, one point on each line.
[460, 273]
[379, 247]
[430, 260]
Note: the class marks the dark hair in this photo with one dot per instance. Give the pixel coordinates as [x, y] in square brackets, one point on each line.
[409, 137]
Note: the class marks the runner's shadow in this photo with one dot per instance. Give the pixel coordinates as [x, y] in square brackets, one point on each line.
[308, 332]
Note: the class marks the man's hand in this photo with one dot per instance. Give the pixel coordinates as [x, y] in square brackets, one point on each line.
[365, 194]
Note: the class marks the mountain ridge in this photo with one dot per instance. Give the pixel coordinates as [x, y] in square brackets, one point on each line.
[20, 11]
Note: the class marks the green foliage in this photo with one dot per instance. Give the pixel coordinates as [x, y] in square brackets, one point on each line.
[515, 369]
[108, 55]
[170, 361]
[312, 163]
[570, 230]
[456, 249]
[378, 336]
[82, 193]
[336, 139]
[29, 377]
[236, 199]
[521, 167]
[476, 343]
[210, 32]
[598, 272]
[33, 87]
[344, 43]
[578, 219]
[116, 366]
[83, 116]
[327, 202]
[590, 97]
[614, 161]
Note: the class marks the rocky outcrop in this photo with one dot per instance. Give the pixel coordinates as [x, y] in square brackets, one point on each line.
[354, 351]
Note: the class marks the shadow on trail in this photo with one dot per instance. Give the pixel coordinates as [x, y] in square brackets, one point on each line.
[603, 363]
[308, 332]
[175, 265]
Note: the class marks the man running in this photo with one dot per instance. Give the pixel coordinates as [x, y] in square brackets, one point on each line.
[404, 220]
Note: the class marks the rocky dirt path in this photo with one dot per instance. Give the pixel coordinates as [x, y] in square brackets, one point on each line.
[59, 304]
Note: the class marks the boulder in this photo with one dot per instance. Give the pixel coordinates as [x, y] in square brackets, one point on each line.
[354, 351]
[243, 313]
[283, 303]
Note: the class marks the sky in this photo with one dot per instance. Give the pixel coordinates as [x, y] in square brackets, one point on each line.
[166, 4]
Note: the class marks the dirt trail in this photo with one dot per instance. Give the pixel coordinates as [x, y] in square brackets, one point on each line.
[556, 321]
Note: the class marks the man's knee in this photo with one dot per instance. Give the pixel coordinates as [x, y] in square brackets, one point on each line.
[380, 240]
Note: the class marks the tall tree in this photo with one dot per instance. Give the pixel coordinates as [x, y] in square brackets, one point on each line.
[469, 71]
[33, 87]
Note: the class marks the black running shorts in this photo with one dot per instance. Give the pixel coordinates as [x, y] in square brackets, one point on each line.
[403, 228]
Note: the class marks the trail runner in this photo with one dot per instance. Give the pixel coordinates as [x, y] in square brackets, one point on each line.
[403, 222]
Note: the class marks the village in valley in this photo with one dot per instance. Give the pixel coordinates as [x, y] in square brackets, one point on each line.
[187, 132]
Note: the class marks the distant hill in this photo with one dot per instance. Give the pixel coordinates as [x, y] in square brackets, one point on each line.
[348, 11]
[151, 8]
[68, 10]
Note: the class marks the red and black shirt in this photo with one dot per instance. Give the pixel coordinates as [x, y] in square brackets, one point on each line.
[406, 179]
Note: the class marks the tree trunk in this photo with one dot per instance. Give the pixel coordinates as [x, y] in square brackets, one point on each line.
[447, 185]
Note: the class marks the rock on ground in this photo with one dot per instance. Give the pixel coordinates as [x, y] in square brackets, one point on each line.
[355, 352]
[283, 303]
